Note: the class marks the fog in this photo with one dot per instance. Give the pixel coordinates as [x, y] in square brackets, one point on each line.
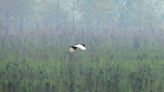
[124, 41]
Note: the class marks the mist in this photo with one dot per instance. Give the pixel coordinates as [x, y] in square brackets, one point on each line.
[124, 41]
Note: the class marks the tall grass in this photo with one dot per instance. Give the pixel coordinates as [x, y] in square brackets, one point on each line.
[40, 63]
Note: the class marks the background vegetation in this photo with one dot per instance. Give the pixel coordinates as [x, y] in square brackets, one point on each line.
[124, 40]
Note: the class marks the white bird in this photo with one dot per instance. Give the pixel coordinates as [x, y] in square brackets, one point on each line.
[79, 46]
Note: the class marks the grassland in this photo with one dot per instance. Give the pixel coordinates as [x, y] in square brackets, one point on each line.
[39, 62]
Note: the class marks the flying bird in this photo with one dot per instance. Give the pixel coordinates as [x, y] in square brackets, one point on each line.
[79, 46]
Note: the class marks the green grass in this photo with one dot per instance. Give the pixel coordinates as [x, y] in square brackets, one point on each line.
[37, 65]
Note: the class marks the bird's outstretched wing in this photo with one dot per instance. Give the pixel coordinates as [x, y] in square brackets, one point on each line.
[80, 46]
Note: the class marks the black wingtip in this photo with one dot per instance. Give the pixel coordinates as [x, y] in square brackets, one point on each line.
[73, 47]
[83, 45]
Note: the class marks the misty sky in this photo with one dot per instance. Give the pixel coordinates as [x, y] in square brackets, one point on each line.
[86, 14]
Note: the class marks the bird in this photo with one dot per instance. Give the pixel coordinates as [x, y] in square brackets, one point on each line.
[74, 47]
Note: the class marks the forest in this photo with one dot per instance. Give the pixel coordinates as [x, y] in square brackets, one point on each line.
[124, 41]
